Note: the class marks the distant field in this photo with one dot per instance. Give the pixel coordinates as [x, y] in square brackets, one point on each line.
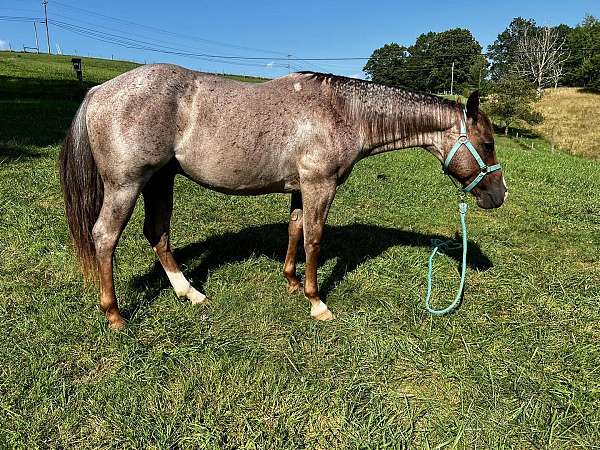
[572, 120]
[515, 367]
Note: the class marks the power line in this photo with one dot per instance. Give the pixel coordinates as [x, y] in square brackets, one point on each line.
[227, 59]
[20, 19]
[168, 32]
[251, 61]
[124, 41]
[178, 51]
[130, 33]
[143, 45]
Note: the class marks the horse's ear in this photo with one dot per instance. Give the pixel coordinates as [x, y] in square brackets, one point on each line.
[473, 105]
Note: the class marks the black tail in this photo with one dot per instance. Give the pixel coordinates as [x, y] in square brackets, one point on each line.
[83, 190]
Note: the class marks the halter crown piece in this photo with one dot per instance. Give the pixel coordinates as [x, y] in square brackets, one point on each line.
[464, 140]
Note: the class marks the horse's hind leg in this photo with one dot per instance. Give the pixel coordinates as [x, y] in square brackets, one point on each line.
[116, 210]
[158, 206]
[294, 233]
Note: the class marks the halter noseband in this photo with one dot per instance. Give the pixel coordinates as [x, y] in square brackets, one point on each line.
[464, 140]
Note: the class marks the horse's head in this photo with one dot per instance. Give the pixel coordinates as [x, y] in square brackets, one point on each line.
[470, 156]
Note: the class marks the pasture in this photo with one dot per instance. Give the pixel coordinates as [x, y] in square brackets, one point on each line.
[571, 118]
[515, 367]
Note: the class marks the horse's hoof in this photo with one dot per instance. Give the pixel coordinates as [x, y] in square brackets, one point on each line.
[325, 316]
[320, 311]
[204, 301]
[293, 288]
[117, 324]
[197, 297]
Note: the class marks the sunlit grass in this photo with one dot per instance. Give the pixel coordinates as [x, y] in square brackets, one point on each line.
[572, 120]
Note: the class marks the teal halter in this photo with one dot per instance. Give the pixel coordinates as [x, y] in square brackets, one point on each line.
[440, 246]
[464, 140]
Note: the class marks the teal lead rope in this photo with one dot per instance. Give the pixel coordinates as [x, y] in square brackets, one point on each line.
[439, 248]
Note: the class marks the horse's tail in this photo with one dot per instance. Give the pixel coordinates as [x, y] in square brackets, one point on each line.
[82, 188]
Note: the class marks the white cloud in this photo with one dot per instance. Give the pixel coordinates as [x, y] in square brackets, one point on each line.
[3, 45]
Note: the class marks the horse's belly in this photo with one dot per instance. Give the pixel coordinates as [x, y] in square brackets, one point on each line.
[232, 173]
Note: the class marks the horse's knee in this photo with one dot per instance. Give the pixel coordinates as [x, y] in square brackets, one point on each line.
[312, 247]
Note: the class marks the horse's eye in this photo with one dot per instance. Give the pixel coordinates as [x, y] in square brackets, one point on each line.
[488, 146]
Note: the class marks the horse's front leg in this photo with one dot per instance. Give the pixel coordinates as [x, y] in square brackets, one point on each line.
[294, 234]
[317, 197]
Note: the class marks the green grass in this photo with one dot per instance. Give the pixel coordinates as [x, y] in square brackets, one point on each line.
[52, 77]
[515, 367]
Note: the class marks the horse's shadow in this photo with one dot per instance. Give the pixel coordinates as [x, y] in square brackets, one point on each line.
[351, 245]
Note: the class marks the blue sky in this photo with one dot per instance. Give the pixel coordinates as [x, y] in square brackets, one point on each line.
[269, 29]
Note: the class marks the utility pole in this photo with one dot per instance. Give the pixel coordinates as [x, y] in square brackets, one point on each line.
[452, 82]
[37, 42]
[45, 3]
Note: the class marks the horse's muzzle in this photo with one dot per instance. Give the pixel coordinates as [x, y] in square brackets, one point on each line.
[493, 196]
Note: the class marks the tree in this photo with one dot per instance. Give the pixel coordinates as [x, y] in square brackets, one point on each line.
[503, 51]
[540, 56]
[559, 74]
[478, 77]
[427, 64]
[512, 99]
[387, 64]
[582, 68]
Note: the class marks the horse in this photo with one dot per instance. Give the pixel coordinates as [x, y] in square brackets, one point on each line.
[300, 134]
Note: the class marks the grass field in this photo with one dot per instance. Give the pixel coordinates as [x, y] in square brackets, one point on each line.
[516, 367]
[572, 120]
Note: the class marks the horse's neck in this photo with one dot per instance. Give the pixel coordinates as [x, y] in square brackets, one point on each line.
[416, 126]
[391, 119]
[423, 139]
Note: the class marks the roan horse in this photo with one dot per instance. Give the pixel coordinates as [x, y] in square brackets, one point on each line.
[300, 134]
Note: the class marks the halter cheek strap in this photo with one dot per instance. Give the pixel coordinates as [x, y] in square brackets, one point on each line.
[463, 140]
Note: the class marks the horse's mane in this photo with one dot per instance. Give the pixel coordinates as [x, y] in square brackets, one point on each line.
[385, 113]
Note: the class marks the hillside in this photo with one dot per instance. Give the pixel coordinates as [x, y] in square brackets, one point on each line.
[571, 120]
[32, 75]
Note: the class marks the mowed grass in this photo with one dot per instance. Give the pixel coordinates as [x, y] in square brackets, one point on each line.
[571, 120]
[515, 367]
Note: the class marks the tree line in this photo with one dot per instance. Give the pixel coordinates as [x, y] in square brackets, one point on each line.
[523, 60]
[545, 56]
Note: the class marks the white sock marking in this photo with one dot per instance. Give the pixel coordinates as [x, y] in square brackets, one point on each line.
[183, 288]
[318, 309]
